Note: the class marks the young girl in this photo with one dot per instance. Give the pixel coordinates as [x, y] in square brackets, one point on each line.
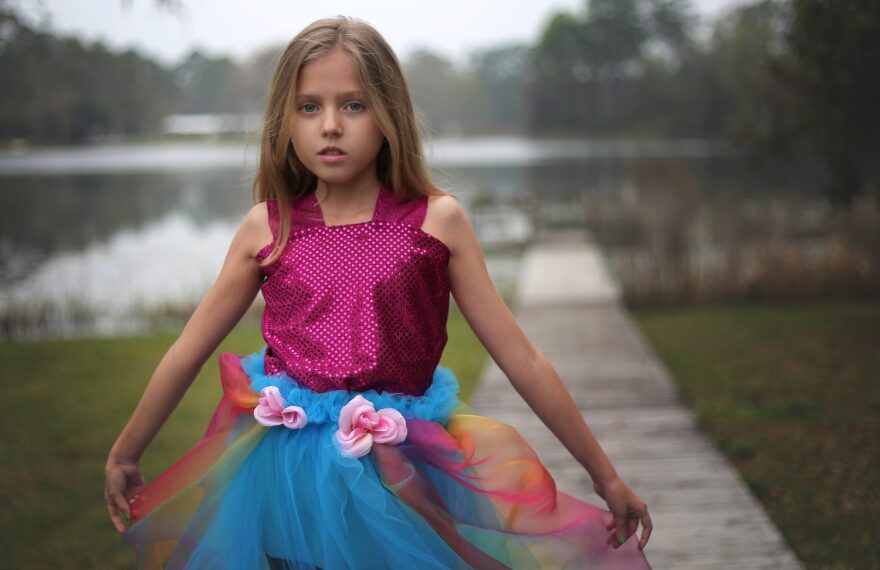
[342, 443]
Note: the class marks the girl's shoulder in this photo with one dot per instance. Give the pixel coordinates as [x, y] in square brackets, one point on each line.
[256, 228]
[443, 217]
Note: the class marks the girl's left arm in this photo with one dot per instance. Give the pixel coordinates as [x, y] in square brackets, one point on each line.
[530, 373]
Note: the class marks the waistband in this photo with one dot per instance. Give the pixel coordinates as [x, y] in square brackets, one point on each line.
[438, 402]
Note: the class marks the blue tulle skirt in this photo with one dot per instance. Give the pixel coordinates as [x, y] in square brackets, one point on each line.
[460, 491]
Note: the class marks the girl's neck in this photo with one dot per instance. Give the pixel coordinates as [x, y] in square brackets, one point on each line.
[347, 201]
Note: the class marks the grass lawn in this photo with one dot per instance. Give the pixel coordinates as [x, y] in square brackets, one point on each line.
[65, 404]
[791, 393]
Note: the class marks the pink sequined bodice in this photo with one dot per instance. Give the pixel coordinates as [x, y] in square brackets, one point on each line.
[357, 306]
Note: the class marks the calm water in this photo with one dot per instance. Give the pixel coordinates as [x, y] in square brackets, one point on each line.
[104, 240]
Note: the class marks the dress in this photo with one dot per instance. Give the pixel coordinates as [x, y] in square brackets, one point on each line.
[342, 442]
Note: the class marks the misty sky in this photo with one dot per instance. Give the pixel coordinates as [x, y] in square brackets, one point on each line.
[236, 28]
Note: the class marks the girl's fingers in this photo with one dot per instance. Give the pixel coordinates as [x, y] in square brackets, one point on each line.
[646, 529]
[121, 504]
[632, 525]
[621, 531]
[116, 505]
[611, 536]
[114, 514]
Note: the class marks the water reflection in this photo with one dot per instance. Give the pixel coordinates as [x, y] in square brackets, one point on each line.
[107, 239]
[45, 215]
[138, 276]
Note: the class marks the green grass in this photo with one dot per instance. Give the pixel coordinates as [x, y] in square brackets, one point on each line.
[790, 394]
[65, 404]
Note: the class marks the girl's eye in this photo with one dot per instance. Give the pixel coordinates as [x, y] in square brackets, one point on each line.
[304, 105]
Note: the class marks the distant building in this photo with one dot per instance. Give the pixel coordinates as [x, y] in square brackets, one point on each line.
[211, 123]
[502, 225]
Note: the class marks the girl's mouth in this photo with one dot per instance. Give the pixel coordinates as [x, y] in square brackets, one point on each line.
[331, 158]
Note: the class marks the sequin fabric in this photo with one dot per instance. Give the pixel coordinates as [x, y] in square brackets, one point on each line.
[357, 306]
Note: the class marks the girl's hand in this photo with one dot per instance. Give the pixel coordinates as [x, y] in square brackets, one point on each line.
[628, 509]
[124, 483]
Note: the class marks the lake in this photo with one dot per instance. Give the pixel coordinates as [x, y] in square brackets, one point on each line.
[110, 240]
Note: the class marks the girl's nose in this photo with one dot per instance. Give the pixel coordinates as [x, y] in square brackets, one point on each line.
[331, 123]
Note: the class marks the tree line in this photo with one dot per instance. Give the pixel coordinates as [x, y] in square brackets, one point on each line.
[774, 76]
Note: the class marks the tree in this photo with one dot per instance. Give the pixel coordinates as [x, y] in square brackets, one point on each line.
[60, 90]
[835, 50]
[209, 85]
[752, 68]
[500, 74]
[588, 68]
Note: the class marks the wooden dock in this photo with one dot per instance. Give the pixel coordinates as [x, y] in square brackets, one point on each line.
[704, 516]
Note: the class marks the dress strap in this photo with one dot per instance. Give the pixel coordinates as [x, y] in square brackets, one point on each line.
[300, 215]
[305, 212]
[410, 211]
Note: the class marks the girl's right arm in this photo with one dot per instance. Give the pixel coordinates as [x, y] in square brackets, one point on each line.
[222, 307]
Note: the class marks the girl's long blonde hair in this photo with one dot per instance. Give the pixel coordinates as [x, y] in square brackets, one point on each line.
[400, 166]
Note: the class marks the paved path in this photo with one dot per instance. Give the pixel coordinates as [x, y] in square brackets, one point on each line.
[704, 515]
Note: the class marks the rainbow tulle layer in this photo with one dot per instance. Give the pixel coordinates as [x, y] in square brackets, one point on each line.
[461, 490]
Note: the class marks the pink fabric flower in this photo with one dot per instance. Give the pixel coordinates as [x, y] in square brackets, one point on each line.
[271, 410]
[360, 425]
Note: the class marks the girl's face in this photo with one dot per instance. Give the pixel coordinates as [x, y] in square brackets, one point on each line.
[331, 109]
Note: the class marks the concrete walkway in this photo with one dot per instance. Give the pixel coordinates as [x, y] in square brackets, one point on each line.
[704, 515]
